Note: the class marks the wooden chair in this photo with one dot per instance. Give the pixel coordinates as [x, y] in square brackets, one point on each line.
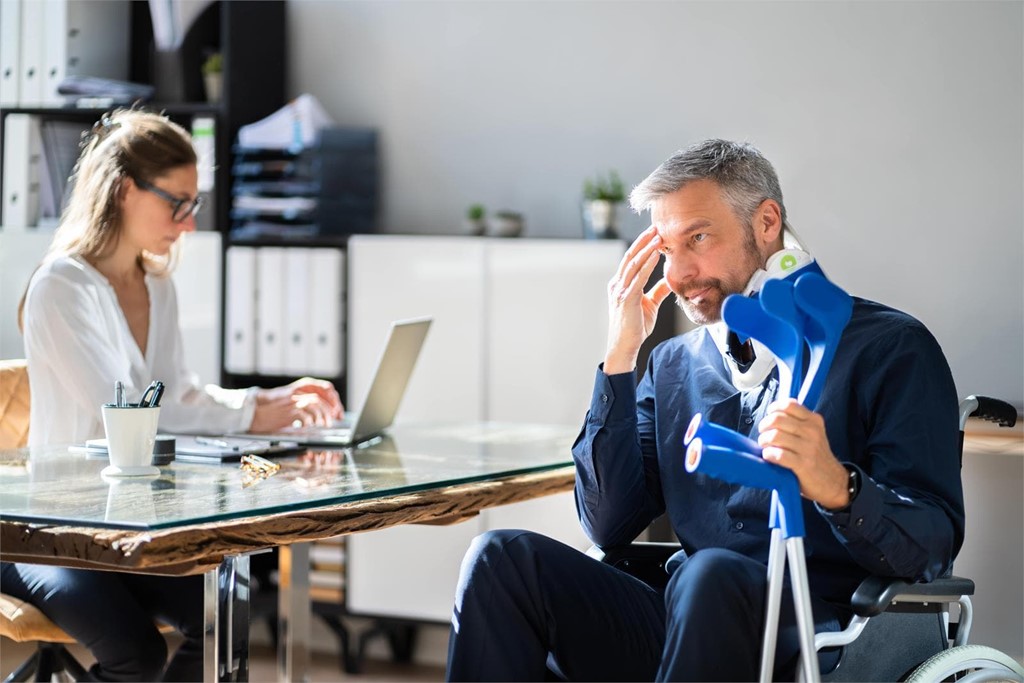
[20, 621]
[14, 403]
[23, 623]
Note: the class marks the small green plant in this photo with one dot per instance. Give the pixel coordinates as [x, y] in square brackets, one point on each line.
[608, 188]
[509, 215]
[214, 64]
[475, 212]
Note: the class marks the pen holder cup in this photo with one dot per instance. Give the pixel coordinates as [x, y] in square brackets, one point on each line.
[131, 433]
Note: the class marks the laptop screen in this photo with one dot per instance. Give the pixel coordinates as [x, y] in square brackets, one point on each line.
[394, 369]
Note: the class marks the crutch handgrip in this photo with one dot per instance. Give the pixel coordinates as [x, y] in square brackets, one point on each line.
[744, 469]
[716, 435]
[748, 319]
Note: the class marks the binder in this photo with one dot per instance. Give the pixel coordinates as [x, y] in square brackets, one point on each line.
[60, 140]
[32, 53]
[270, 306]
[10, 52]
[82, 39]
[240, 315]
[300, 284]
[327, 297]
[22, 160]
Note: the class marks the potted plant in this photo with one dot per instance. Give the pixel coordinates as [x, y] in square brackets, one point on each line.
[475, 222]
[213, 76]
[601, 198]
[507, 224]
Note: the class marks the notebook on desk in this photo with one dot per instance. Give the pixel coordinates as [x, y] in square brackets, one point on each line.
[379, 407]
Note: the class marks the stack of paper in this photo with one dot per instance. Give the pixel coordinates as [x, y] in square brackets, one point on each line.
[295, 126]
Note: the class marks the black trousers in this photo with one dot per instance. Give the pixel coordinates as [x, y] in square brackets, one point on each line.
[527, 605]
[112, 613]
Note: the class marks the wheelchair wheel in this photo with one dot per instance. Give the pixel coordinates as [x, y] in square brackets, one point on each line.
[968, 663]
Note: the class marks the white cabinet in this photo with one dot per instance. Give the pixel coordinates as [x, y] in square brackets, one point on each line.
[21, 251]
[197, 280]
[519, 329]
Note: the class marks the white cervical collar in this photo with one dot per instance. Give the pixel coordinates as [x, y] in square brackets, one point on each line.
[781, 264]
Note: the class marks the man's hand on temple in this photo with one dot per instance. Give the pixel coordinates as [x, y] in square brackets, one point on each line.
[631, 312]
[794, 437]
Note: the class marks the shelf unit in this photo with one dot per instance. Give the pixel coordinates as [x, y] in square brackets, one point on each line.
[251, 36]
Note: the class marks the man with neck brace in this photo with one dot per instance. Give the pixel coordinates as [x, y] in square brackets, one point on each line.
[877, 464]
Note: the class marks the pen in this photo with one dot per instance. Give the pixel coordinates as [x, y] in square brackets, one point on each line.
[147, 395]
[212, 442]
[119, 394]
[157, 395]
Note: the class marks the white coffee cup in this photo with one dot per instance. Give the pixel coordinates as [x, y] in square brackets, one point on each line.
[131, 432]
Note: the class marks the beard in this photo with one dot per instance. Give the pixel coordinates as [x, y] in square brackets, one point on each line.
[708, 308]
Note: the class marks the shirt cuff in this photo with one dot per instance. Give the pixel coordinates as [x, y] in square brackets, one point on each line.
[614, 397]
[863, 513]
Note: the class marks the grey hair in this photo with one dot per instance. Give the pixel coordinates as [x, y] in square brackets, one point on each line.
[744, 175]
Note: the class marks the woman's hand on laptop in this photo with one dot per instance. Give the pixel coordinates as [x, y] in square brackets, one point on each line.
[305, 401]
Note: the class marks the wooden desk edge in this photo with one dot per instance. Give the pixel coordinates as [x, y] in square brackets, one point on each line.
[199, 548]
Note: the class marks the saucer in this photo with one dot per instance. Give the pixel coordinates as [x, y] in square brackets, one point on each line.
[138, 471]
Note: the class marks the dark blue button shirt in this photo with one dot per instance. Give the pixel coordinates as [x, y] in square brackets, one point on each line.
[890, 410]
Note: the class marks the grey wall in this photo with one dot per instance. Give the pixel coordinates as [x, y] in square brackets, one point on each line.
[896, 128]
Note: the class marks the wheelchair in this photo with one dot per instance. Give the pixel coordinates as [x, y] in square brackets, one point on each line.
[886, 610]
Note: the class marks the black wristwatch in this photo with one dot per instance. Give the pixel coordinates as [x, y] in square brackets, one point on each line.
[852, 482]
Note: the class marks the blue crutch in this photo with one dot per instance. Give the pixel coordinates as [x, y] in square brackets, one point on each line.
[784, 317]
[787, 524]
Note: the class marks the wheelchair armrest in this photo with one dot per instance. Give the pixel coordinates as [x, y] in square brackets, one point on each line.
[876, 593]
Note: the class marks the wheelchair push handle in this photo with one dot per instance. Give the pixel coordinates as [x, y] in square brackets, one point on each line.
[989, 409]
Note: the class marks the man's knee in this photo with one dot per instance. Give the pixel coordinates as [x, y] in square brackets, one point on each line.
[490, 550]
[715, 575]
[511, 560]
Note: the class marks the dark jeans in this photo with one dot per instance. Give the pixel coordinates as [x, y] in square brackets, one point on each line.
[112, 613]
[526, 604]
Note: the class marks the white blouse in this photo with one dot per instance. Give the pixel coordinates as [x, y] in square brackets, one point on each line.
[78, 344]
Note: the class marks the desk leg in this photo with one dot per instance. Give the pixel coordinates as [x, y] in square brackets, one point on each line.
[293, 613]
[226, 621]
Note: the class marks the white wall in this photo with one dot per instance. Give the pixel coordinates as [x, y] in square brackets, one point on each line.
[896, 128]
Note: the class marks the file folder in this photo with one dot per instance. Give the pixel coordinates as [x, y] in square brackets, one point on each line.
[327, 300]
[10, 53]
[240, 315]
[33, 50]
[301, 283]
[270, 305]
[82, 39]
[22, 160]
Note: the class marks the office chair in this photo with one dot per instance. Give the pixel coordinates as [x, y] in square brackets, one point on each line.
[19, 620]
[886, 610]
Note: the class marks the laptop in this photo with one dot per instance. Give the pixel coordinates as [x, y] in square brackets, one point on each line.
[405, 340]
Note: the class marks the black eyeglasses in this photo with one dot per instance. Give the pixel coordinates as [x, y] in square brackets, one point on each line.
[180, 208]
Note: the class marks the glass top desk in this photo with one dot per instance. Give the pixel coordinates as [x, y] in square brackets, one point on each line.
[56, 508]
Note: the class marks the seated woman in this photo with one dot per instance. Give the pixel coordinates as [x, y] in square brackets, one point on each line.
[100, 309]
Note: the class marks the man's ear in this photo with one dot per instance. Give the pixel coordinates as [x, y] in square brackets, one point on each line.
[767, 224]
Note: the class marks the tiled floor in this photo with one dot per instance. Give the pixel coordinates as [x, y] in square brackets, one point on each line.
[323, 667]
